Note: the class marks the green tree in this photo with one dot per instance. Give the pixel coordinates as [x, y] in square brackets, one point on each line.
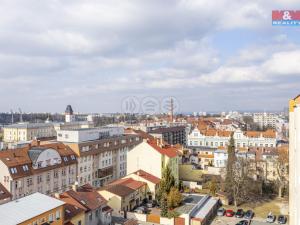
[174, 198]
[229, 179]
[166, 183]
[163, 206]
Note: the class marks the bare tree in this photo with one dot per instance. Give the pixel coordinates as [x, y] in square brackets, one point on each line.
[282, 170]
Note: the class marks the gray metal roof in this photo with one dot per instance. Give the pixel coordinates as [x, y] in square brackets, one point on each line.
[34, 153]
[69, 110]
[29, 125]
[23, 209]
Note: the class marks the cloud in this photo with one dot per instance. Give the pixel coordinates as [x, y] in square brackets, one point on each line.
[70, 51]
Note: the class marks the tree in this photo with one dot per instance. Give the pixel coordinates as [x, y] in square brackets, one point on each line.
[229, 167]
[282, 170]
[240, 177]
[163, 206]
[174, 198]
[166, 183]
[213, 186]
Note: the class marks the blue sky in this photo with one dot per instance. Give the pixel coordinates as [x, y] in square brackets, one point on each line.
[210, 55]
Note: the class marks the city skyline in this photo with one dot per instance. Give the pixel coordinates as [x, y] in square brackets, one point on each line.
[92, 55]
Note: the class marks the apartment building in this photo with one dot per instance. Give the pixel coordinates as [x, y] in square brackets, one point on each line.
[27, 131]
[152, 156]
[46, 169]
[171, 135]
[102, 153]
[265, 119]
[124, 194]
[34, 209]
[218, 138]
[85, 198]
[294, 160]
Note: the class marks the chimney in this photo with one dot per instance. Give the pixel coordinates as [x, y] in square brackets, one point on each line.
[75, 186]
[56, 195]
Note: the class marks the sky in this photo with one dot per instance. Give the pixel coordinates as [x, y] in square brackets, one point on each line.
[209, 55]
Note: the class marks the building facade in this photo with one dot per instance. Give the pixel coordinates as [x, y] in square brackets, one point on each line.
[153, 157]
[102, 159]
[265, 119]
[171, 135]
[294, 160]
[217, 138]
[28, 131]
[46, 169]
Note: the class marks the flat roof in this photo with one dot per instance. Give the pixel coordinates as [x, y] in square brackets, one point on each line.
[28, 207]
[206, 208]
[28, 125]
[192, 199]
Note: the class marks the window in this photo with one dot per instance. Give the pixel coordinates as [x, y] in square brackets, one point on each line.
[97, 213]
[57, 214]
[90, 216]
[51, 217]
[25, 168]
[72, 157]
[65, 159]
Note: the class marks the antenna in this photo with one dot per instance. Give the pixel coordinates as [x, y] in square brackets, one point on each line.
[21, 115]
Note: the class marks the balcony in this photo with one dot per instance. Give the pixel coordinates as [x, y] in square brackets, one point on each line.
[105, 172]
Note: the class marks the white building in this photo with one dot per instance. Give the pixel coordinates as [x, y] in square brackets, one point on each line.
[216, 138]
[46, 169]
[81, 135]
[294, 161]
[265, 119]
[28, 131]
[101, 152]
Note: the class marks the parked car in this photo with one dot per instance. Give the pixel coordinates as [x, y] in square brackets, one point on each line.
[270, 218]
[141, 209]
[229, 213]
[243, 222]
[150, 204]
[249, 215]
[282, 219]
[239, 213]
[221, 212]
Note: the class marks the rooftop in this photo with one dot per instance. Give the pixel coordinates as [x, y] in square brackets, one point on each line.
[23, 209]
[147, 176]
[29, 125]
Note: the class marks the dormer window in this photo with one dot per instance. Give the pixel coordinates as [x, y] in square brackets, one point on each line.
[65, 159]
[13, 170]
[72, 157]
[25, 168]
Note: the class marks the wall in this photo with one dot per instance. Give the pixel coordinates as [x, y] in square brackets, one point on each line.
[45, 217]
[144, 157]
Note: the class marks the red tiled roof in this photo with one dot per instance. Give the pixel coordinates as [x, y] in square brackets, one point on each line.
[4, 193]
[87, 196]
[20, 157]
[147, 176]
[164, 149]
[124, 187]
